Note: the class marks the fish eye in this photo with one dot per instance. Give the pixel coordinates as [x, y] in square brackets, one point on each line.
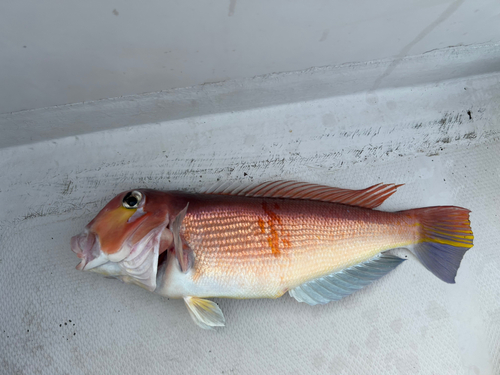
[132, 199]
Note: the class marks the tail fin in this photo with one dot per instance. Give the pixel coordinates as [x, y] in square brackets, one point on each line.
[445, 236]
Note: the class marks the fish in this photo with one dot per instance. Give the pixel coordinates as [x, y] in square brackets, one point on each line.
[316, 242]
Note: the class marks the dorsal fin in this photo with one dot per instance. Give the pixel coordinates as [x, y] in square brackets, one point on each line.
[370, 197]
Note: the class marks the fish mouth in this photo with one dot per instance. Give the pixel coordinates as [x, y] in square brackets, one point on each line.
[86, 246]
[138, 263]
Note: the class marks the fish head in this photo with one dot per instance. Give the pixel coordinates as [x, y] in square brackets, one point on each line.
[126, 237]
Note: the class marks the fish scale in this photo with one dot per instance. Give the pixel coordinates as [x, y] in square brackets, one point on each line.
[313, 239]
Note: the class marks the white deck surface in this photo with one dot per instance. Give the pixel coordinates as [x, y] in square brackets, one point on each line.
[440, 138]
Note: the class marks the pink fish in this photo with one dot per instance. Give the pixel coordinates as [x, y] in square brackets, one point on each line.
[315, 242]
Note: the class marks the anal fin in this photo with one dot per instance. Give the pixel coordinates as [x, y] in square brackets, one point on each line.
[343, 283]
[206, 314]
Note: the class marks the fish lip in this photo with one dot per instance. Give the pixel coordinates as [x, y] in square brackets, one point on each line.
[87, 247]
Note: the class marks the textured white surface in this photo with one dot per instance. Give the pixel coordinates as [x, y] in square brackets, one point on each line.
[55, 319]
[54, 52]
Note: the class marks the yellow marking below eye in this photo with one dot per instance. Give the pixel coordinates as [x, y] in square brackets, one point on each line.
[110, 227]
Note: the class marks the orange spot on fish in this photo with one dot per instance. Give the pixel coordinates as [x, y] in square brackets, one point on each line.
[262, 225]
[275, 224]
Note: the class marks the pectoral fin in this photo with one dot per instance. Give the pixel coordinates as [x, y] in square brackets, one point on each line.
[182, 250]
[206, 314]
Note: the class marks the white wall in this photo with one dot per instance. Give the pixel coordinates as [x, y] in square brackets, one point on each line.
[55, 52]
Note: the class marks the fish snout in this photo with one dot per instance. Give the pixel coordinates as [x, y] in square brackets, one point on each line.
[86, 247]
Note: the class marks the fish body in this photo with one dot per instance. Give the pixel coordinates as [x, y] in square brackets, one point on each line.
[316, 242]
[262, 247]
